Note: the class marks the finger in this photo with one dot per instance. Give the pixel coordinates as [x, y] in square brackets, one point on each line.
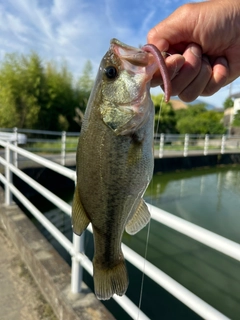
[190, 69]
[170, 31]
[197, 86]
[219, 77]
[174, 63]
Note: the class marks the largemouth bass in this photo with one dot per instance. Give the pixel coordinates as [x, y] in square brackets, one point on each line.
[115, 159]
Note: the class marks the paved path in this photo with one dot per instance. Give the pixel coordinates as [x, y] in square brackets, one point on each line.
[20, 298]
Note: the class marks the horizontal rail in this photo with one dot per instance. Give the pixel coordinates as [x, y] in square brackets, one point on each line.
[165, 145]
[211, 239]
[58, 202]
[67, 244]
[44, 162]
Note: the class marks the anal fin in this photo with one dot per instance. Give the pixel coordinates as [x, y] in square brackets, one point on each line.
[80, 220]
[139, 220]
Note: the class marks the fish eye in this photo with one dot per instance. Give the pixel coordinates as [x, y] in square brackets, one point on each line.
[111, 72]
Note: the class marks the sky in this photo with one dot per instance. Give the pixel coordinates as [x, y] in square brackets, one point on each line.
[75, 31]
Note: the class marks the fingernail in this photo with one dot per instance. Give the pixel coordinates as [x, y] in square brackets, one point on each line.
[221, 60]
[161, 44]
[196, 50]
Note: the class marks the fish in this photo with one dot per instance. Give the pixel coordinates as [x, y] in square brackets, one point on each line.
[115, 159]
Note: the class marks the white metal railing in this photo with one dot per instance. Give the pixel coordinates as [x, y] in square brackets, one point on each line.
[75, 249]
[64, 144]
[45, 142]
[192, 144]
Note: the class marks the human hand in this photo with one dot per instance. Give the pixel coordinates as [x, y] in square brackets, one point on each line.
[207, 35]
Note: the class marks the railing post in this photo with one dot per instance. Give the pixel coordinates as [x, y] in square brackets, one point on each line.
[63, 149]
[8, 175]
[186, 140]
[206, 143]
[223, 144]
[161, 145]
[77, 270]
[15, 130]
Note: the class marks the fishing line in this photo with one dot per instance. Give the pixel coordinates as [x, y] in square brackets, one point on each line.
[158, 120]
[144, 265]
[149, 224]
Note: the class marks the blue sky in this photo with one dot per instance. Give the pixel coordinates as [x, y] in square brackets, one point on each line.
[77, 30]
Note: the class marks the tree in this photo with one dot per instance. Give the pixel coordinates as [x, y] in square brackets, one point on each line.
[61, 97]
[236, 121]
[22, 82]
[228, 103]
[85, 82]
[191, 111]
[208, 122]
[40, 96]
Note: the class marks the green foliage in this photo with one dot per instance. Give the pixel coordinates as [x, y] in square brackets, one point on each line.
[165, 119]
[33, 95]
[195, 119]
[21, 83]
[191, 111]
[42, 96]
[206, 122]
[228, 103]
[236, 121]
[85, 82]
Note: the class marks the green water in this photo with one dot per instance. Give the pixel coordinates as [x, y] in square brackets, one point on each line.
[209, 198]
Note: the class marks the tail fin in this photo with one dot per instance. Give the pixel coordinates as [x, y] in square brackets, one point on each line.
[110, 281]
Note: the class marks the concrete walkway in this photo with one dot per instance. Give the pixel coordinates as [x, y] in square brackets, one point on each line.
[44, 276]
[20, 298]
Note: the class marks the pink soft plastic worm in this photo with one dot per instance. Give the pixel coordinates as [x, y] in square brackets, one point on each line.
[162, 67]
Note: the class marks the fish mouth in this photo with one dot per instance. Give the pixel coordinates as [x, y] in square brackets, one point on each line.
[134, 59]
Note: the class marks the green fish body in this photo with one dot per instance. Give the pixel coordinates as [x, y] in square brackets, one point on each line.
[115, 161]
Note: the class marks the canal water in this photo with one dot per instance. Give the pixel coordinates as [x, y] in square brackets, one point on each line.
[209, 198]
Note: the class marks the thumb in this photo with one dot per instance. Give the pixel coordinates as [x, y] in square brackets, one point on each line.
[174, 29]
[154, 37]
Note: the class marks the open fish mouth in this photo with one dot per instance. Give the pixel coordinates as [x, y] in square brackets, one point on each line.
[148, 56]
[131, 54]
[134, 58]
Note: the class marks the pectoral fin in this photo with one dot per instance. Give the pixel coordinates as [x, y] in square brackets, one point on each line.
[80, 220]
[139, 220]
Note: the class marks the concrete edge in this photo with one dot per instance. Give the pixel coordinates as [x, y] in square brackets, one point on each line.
[51, 273]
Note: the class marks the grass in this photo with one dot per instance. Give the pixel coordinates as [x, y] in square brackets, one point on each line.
[170, 147]
[55, 146]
